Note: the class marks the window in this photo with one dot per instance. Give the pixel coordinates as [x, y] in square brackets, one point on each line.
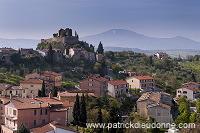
[132, 80]
[10, 92]
[0, 92]
[179, 91]
[14, 112]
[41, 112]
[34, 122]
[16, 92]
[43, 121]
[45, 111]
[90, 84]
[24, 91]
[184, 92]
[31, 91]
[90, 79]
[35, 112]
[158, 114]
[31, 85]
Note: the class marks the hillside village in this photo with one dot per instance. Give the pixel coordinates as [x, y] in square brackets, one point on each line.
[66, 83]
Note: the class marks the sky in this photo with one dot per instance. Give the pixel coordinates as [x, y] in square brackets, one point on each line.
[36, 19]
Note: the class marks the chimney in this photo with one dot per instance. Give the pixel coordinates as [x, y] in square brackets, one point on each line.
[50, 95]
[10, 96]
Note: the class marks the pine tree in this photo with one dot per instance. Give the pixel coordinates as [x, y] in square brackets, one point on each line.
[198, 105]
[22, 129]
[39, 93]
[113, 118]
[50, 55]
[100, 49]
[99, 119]
[43, 90]
[83, 111]
[76, 111]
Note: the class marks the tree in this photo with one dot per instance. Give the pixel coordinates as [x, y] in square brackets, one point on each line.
[113, 118]
[97, 68]
[100, 49]
[50, 55]
[99, 119]
[22, 129]
[39, 93]
[54, 91]
[193, 117]
[76, 111]
[198, 105]
[183, 106]
[83, 112]
[43, 93]
[183, 117]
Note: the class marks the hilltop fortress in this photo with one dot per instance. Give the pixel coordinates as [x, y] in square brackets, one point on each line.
[64, 37]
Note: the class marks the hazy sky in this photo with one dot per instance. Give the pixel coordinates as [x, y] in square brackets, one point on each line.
[157, 18]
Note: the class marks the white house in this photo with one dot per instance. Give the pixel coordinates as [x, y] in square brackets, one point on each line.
[189, 92]
[161, 55]
[117, 87]
[141, 82]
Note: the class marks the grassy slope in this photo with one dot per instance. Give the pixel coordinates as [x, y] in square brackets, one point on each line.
[6, 78]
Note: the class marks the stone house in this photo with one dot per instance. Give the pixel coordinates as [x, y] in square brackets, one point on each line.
[95, 83]
[157, 105]
[146, 83]
[82, 54]
[28, 52]
[31, 87]
[52, 77]
[71, 96]
[117, 87]
[15, 91]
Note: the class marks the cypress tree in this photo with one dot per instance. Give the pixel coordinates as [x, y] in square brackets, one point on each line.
[113, 118]
[76, 111]
[54, 91]
[83, 111]
[50, 55]
[22, 129]
[39, 93]
[100, 49]
[99, 119]
[43, 89]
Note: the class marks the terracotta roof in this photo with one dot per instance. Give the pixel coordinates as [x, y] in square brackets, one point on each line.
[153, 96]
[34, 81]
[190, 88]
[161, 53]
[71, 94]
[159, 104]
[7, 49]
[52, 73]
[98, 78]
[15, 88]
[4, 86]
[117, 82]
[26, 103]
[50, 126]
[191, 83]
[42, 129]
[143, 77]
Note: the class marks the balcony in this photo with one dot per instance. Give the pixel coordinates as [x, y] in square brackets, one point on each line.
[10, 127]
[10, 117]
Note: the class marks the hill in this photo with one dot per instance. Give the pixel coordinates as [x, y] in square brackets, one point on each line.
[130, 39]
[19, 43]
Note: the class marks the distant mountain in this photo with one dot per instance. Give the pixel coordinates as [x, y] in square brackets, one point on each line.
[130, 39]
[171, 52]
[19, 43]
